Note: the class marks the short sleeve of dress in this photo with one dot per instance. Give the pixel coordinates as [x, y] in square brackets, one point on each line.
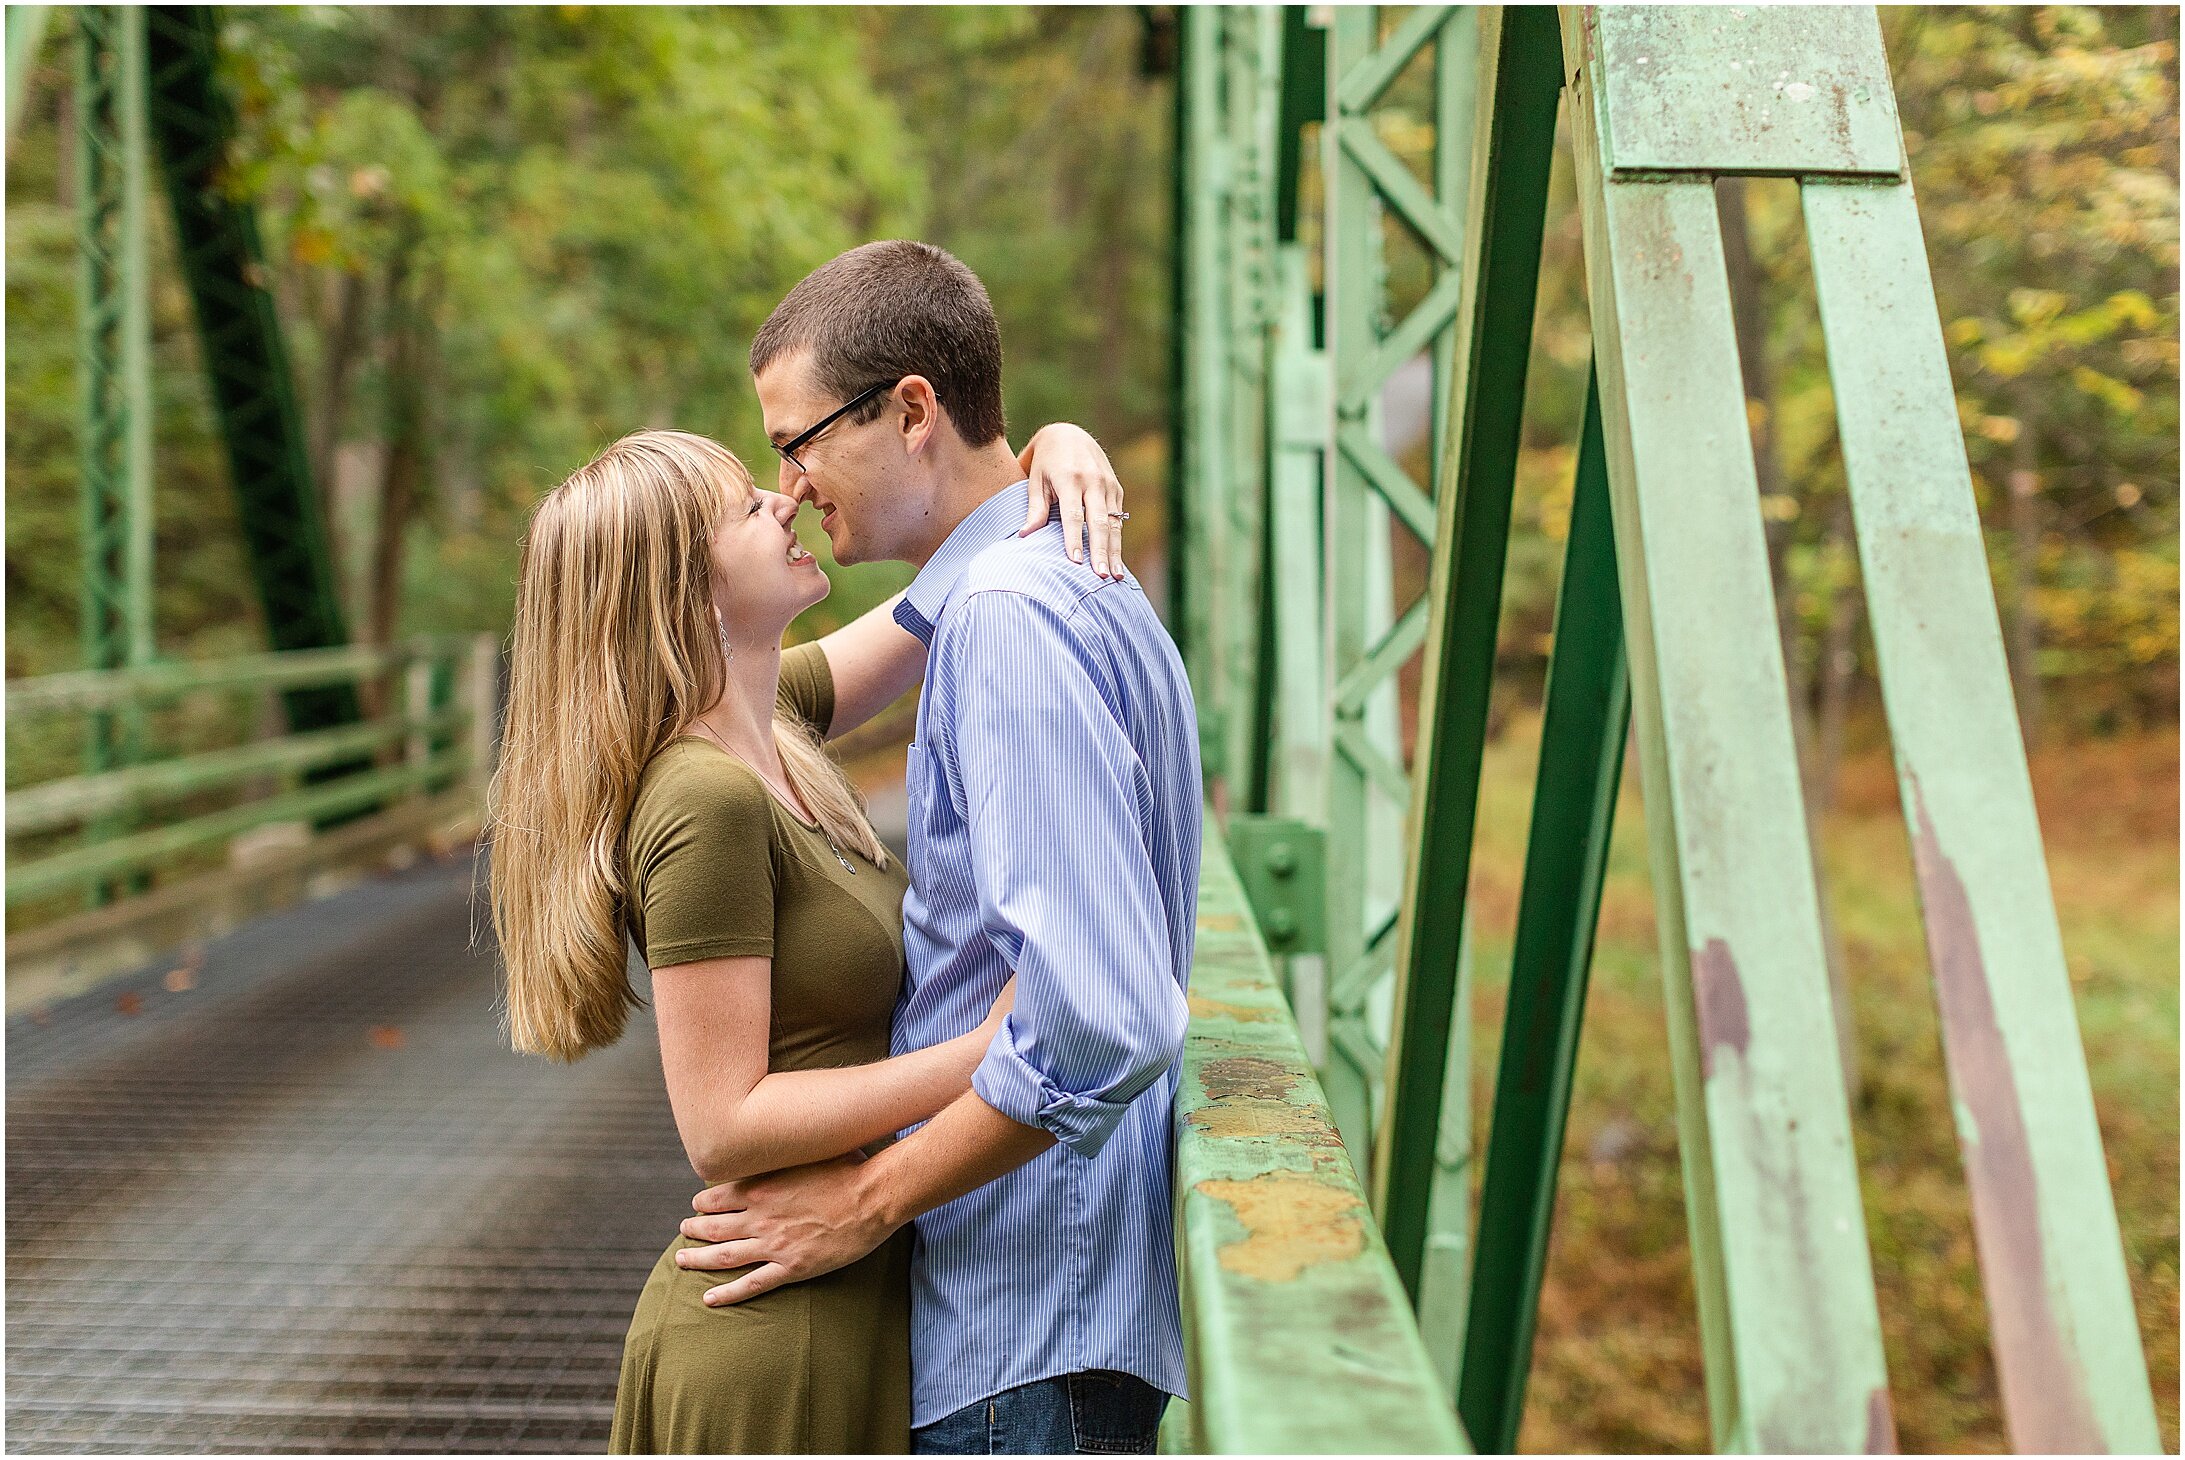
[808, 686]
[701, 860]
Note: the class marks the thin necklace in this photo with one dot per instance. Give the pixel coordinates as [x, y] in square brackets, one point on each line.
[785, 799]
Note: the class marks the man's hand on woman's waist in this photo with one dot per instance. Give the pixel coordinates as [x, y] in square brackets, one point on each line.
[809, 1220]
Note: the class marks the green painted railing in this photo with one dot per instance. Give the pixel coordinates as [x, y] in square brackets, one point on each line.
[1298, 1333]
[106, 828]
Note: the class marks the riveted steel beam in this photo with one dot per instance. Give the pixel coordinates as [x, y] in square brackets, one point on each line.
[1583, 728]
[114, 375]
[1282, 862]
[2068, 1356]
[114, 356]
[1367, 640]
[1508, 193]
[1791, 1333]
[1252, 79]
[1205, 398]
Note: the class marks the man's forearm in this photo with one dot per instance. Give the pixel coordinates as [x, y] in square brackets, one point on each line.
[958, 1151]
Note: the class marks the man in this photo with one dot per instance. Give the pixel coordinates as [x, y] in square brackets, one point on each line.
[1054, 833]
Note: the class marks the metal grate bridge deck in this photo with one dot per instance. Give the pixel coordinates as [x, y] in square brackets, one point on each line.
[313, 1203]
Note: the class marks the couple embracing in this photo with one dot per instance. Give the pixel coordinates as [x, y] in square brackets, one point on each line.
[933, 1100]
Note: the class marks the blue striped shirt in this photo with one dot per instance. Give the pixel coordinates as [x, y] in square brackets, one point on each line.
[1054, 831]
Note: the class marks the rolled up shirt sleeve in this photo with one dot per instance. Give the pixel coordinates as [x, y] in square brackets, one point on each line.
[1057, 805]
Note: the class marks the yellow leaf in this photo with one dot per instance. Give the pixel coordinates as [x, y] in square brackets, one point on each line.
[2110, 391]
[311, 246]
[2009, 358]
[2135, 308]
[2036, 306]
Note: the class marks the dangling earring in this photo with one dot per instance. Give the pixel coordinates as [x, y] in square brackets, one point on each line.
[720, 626]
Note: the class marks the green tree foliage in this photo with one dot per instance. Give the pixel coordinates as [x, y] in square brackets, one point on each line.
[550, 226]
[2044, 143]
[1045, 149]
[1046, 154]
[501, 237]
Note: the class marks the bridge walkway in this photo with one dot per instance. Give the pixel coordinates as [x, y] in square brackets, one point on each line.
[313, 1202]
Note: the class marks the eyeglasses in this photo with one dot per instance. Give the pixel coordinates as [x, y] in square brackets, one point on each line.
[788, 451]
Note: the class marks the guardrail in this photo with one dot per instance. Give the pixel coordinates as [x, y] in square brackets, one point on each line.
[1298, 1334]
[179, 838]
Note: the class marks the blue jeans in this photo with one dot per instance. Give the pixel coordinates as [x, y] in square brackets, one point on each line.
[1099, 1412]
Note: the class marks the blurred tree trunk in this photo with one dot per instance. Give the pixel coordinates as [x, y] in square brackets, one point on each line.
[1114, 321]
[1839, 659]
[1749, 312]
[344, 343]
[402, 478]
[64, 128]
[405, 471]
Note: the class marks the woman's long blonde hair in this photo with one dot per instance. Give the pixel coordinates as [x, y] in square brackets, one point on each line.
[616, 652]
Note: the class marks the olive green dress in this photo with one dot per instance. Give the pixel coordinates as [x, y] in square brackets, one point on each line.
[719, 868]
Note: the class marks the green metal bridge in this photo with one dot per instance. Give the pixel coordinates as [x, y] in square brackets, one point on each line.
[1351, 1281]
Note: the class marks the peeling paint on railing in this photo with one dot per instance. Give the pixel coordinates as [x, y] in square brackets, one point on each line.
[1299, 1335]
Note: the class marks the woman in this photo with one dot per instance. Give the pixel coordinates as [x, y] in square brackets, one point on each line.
[661, 775]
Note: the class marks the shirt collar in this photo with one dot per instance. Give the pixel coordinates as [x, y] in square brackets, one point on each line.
[999, 516]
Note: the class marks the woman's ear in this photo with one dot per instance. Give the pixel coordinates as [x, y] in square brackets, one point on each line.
[921, 412]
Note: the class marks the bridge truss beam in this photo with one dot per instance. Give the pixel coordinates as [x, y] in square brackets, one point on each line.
[114, 346]
[1665, 623]
[113, 367]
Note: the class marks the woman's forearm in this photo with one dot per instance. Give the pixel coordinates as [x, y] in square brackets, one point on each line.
[874, 661]
[791, 1117]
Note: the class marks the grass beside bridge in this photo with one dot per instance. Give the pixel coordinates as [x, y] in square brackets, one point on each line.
[1617, 1363]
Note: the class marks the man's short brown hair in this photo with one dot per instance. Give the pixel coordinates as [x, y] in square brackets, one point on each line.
[890, 309]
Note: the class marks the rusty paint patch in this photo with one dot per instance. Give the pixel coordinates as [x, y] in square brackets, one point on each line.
[1247, 1077]
[1291, 1223]
[1220, 923]
[2045, 1401]
[1719, 995]
[1202, 1008]
[1881, 1423]
[1259, 1120]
